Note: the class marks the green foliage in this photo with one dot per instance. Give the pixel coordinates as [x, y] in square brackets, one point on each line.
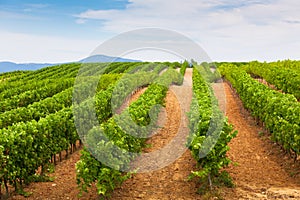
[183, 67]
[39, 123]
[12, 75]
[279, 112]
[90, 170]
[128, 84]
[138, 120]
[38, 109]
[31, 96]
[27, 146]
[285, 79]
[171, 76]
[31, 135]
[208, 71]
[63, 71]
[210, 130]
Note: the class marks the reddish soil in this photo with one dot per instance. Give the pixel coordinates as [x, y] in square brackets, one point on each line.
[63, 187]
[136, 95]
[262, 170]
[169, 182]
[273, 87]
[131, 98]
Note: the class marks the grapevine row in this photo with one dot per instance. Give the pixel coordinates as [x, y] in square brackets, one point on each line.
[55, 72]
[284, 79]
[27, 146]
[24, 147]
[210, 133]
[90, 170]
[279, 112]
[32, 96]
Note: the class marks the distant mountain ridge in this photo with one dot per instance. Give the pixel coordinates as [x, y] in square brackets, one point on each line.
[11, 66]
[104, 58]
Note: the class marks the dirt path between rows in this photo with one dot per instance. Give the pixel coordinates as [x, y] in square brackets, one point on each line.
[168, 155]
[262, 171]
[165, 166]
[170, 181]
[64, 185]
[261, 167]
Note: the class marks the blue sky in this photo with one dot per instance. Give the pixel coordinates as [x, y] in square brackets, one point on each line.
[68, 30]
[55, 18]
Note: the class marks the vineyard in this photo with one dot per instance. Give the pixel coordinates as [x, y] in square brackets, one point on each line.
[105, 116]
[279, 112]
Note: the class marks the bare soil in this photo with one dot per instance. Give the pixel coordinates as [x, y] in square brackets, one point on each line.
[169, 182]
[63, 187]
[273, 87]
[261, 170]
[131, 98]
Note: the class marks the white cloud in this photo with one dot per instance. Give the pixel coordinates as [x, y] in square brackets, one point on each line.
[227, 29]
[33, 7]
[80, 21]
[18, 47]
[37, 5]
[15, 16]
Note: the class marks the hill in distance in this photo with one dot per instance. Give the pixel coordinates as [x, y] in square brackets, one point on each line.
[11, 66]
[103, 58]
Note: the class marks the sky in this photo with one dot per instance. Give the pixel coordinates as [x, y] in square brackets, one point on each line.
[228, 30]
